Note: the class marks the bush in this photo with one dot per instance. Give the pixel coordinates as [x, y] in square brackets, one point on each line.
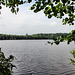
[6, 65]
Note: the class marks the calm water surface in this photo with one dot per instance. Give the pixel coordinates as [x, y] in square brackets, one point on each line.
[39, 58]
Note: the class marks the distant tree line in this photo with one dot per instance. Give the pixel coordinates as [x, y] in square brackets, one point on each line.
[33, 36]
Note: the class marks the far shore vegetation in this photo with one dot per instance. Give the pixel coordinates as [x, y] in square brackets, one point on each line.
[32, 37]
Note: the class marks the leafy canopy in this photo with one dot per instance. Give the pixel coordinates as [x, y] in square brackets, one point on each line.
[56, 8]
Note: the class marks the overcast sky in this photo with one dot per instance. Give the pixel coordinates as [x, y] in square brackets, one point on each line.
[26, 21]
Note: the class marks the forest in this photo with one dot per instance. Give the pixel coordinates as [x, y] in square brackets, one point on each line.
[32, 37]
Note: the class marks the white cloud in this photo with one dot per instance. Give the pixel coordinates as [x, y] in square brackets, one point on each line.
[26, 21]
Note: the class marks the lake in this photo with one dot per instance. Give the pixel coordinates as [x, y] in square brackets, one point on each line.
[38, 57]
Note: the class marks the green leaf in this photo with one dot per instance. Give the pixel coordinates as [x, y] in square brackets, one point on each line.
[56, 42]
[49, 16]
[0, 7]
[17, 9]
[48, 42]
[32, 7]
[29, 1]
[69, 41]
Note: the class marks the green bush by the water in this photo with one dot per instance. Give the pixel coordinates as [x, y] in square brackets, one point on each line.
[6, 65]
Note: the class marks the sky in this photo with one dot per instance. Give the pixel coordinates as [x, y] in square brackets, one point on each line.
[26, 21]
